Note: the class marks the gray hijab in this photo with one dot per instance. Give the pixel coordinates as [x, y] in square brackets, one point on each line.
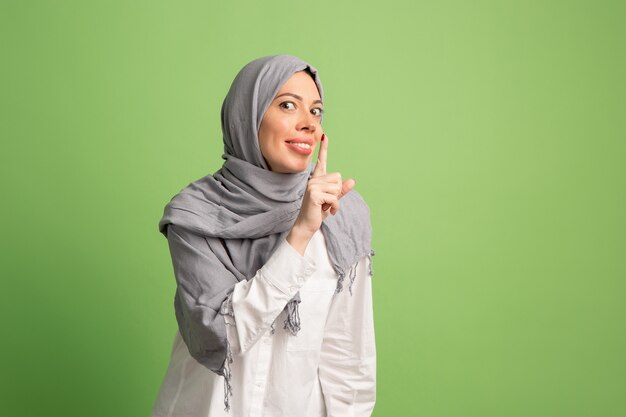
[228, 224]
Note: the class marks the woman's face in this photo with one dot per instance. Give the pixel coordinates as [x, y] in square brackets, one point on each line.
[291, 129]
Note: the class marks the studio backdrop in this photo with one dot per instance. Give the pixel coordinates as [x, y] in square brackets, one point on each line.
[487, 138]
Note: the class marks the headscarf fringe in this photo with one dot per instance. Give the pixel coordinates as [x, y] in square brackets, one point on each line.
[227, 310]
[352, 276]
[352, 273]
[341, 275]
[292, 323]
[369, 257]
[228, 389]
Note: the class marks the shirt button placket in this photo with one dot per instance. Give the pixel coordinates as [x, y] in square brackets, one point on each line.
[260, 379]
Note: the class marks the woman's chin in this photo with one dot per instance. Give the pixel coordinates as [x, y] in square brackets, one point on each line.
[294, 171]
[295, 167]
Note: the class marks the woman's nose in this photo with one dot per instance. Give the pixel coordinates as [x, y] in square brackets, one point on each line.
[308, 122]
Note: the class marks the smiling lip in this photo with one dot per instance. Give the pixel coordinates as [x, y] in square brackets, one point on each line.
[303, 151]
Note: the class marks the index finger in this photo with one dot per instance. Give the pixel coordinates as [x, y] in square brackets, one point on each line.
[320, 166]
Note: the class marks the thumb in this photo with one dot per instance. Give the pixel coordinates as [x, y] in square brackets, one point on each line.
[347, 186]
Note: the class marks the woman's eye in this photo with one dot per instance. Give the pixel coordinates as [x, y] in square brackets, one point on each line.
[287, 105]
[317, 111]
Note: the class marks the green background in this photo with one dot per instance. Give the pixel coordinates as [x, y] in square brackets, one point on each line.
[487, 138]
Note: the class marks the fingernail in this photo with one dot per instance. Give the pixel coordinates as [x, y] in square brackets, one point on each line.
[323, 137]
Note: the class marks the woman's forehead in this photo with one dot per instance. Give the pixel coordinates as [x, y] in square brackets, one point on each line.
[300, 83]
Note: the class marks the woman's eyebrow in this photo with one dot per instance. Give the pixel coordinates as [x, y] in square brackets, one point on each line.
[296, 96]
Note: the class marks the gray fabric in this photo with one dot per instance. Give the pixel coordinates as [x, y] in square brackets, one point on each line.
[223, 227]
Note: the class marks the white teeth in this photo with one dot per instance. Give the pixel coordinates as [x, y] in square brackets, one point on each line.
[302, 145]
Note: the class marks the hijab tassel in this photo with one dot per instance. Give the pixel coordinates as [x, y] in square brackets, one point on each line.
[292, 323]
[340, 276]
[229, 318]
[352, 276]
[369, 257]
[228, 389]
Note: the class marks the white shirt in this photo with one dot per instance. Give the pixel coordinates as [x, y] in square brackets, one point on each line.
[327, 370]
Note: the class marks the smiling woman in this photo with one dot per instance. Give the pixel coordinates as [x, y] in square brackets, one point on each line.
[262, 240]
[291, 127]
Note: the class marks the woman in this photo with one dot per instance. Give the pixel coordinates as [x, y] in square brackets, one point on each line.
[269, 239]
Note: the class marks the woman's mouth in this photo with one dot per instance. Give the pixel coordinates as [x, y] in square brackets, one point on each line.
[301, 147]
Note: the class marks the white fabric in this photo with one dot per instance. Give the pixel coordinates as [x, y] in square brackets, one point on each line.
[327, 370]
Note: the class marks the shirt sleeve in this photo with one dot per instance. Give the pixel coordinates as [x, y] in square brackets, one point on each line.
[257, 302]
[347, 368]
[201, 303]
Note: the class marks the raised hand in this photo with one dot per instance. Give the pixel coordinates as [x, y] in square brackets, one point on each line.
[320, 200]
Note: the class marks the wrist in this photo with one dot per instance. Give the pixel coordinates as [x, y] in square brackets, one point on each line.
[299, 238]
